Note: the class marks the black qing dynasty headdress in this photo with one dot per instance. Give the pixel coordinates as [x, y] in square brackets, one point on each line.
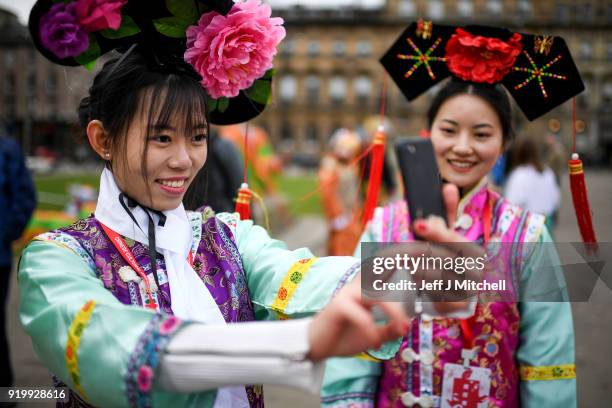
[537, 70]
[228, 47]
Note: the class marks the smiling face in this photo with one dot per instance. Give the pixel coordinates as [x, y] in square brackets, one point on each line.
[467, 137]
[163, 154]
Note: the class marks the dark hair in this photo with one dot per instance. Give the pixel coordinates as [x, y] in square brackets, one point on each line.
[120, 90]
[525, 150]
[494, 95]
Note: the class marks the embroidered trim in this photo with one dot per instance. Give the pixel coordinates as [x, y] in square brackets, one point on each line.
[75, 331]
[535, 225]
[546, 373]
[350, 273]
[68, 242]
[425, 345]
[230, 242]
[351, 399]
[144, 359]
[386, 232]
[229, 219]
[508, 216]
[195, 219]
[290, 282]
[368, 357]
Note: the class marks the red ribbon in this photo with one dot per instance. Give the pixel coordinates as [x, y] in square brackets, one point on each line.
[127, 255]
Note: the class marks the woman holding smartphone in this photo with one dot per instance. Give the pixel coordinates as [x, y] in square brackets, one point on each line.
[515, 352]
[144, 303]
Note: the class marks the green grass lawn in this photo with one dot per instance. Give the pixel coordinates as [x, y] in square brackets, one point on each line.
[293, 188]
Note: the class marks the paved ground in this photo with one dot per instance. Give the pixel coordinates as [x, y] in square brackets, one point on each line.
[592, 320]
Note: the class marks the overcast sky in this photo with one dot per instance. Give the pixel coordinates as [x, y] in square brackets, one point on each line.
[22, 7]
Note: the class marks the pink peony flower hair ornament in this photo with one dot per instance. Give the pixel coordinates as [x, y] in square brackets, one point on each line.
[231, 52]
[229, 47]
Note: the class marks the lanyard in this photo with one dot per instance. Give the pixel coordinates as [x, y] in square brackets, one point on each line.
[128, 256]
[465, 324]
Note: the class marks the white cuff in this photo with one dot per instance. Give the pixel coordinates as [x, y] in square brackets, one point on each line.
[203, 357]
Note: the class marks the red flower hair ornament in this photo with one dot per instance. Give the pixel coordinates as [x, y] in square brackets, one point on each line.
[481, 59]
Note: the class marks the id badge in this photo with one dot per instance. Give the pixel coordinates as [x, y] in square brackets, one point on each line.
[143, 291]
[465, 386]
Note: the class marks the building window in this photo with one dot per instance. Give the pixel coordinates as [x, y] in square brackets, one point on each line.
[523, 9]
[51, 84]
[314, 48]
[313, 85]
[586, 50]
[287, 48]
[51, 92]
[9, 85]
[287, 88]
[435, 9]
[562, 12]
[312, 133]
[286, 131]
[31, 89]
[607, 89]
[9, 58]
[339, 48]
[495, 7]
[363, 89]
[337, 89]
[585, 12]
[465, 8]
[364, 48]
[406, 8]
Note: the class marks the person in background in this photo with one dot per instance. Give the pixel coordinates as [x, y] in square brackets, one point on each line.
[498, 172]
[555, 156]
[217, 184]
[531, 184]
[17, 203]
[340, 197]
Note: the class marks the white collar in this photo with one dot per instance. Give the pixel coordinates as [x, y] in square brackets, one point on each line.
[175, 236]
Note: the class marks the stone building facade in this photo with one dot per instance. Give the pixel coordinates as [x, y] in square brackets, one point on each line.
[38, 99]
[329, 75]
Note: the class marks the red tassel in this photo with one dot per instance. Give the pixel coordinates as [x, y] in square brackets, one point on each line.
[243, 202]
[376, 166]
[581, 200]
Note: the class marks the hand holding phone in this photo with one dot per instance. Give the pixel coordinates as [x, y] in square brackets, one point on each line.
[423, 193]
